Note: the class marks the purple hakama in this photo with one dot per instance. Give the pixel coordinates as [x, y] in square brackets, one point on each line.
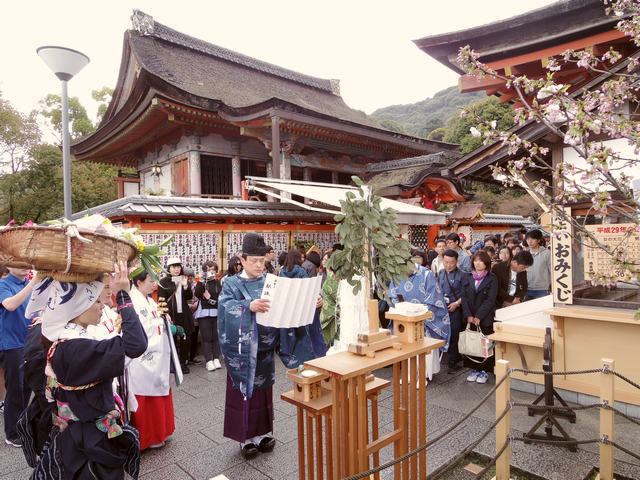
[259, 418]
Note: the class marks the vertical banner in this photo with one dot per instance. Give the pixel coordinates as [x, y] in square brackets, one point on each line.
[561, 259]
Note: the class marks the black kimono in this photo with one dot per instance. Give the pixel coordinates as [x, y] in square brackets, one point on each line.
[88, 440]
[480, 302]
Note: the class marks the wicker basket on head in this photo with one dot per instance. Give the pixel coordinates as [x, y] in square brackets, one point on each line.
[48, 249]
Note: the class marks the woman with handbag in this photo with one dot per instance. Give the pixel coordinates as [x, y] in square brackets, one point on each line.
[478, 308]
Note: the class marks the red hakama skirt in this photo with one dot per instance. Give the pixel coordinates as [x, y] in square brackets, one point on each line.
[154, 419]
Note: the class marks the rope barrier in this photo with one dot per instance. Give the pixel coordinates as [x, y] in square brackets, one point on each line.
[554, 373]
[445, 467]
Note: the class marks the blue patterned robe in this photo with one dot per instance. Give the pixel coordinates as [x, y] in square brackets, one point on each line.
[422, 287]
[248, 348]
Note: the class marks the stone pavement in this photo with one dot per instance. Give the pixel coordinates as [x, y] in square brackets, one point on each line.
[197, 450]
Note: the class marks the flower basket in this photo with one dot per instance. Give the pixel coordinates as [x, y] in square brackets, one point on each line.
[59, 253]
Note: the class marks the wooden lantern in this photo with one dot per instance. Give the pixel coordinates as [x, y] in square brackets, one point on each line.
[306, 389]
[409, 328]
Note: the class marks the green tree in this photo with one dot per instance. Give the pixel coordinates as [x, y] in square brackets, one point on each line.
[103, 97]
[79, 123]
[487, 110]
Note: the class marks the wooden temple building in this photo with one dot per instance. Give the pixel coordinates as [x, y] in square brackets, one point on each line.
[194, 119]
[588, 322]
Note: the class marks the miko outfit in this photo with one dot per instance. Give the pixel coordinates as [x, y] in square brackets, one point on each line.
[248, 350]
[13, 335]
[149, 376]
[88, 439]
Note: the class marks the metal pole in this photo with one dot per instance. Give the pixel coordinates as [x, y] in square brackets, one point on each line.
[66, 152]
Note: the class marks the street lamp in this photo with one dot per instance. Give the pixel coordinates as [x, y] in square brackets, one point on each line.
[65, 63]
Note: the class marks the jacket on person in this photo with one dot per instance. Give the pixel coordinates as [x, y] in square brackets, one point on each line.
[502, 271]
[167, 289]
[214, 287]
[480, 302]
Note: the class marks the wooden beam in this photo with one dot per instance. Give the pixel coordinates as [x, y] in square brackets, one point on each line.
[469, 83]
[578, 44]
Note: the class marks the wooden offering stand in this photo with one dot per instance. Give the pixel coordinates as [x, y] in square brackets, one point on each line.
[409, 329]
[376, 338]
[315, 447]
[351, 450]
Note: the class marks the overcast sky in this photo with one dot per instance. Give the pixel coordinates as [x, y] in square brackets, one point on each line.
[365, 44]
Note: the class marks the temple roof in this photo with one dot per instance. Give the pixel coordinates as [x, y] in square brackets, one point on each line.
[169, 79]
[555, 24]
[407, 172]
[202, 208]
[234, 79]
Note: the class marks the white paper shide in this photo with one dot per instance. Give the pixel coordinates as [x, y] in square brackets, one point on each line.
[292, 301]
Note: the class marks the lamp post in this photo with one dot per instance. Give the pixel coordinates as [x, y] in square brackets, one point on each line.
[65, 64]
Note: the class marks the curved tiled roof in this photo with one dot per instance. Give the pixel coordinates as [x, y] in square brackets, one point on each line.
[236, 80]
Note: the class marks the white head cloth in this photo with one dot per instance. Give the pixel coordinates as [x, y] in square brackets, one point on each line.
[60, 303]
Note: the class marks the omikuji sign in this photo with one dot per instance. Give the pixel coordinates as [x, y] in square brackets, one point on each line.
[561, 260]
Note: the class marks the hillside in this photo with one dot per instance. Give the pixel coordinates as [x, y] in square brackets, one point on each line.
[422, 117]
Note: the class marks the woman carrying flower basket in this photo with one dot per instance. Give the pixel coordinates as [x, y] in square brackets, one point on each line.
[88, 439]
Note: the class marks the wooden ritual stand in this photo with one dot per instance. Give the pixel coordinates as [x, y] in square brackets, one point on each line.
[312, 464]
[351, 449]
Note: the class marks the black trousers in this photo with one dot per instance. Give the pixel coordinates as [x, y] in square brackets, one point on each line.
[193, 348]
[456, 327]
[183, 346]
[209, 332]
[17, 396]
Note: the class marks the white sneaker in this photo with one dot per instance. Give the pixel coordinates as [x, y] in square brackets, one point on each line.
[483, 377]
[216, 364]
[473, 376]
[210, 366]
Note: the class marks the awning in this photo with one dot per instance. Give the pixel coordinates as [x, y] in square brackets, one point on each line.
[330, 195]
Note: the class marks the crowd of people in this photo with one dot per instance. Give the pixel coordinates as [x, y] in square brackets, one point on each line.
[87, 367]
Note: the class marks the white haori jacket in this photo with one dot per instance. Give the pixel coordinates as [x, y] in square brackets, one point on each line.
[149, 373]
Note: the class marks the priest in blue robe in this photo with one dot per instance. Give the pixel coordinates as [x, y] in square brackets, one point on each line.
[249, 349]
[421, 286]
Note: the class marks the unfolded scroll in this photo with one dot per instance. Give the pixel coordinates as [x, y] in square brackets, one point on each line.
[292, 301]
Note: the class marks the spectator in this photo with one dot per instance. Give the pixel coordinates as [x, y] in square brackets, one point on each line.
[504, 254]
[235, 267]
[479, 307]
[452, 282]
[512, 279]
[208, 291]
[282, 258]
[492, 254]
[517, 248]
[270, 258]
[14, 297]
[438, 263]
[311, 263]
[176, 291]
[491, 241]
[464, 261]
[292, 267]
[538, 274]
[194, 304]
[418, 256]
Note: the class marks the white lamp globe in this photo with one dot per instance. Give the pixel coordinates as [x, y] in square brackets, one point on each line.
[64, 62]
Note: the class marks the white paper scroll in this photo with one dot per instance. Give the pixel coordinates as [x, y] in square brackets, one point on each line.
[293, 301]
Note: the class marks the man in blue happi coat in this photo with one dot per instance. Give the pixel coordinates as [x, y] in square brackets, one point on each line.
[421, 286]
[248, 350]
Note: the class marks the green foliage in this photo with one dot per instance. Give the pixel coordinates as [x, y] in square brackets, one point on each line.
[32, 188]
[79, 123]
[437, 134]
[421, 118]
[371, 240]
[103, 96]
[487, 110]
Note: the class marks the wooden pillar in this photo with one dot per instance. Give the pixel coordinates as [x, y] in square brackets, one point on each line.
[503, 397]
[306, 176]
[195, 181]
[236, 174]
[275, 146]
[557, 157]
[335, 177]
[607, 419]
